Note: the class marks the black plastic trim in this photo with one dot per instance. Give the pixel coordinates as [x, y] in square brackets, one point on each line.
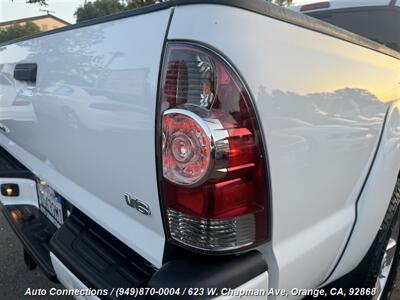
[206, 272]
[34, 231]
[352, 9]
[258, 6]
[11, 168]
[25, 72]
[98, 258]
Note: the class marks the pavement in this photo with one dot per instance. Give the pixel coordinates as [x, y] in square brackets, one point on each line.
[15, 278]
[395, 295]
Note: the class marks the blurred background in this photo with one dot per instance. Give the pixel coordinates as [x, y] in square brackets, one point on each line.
[19, 18]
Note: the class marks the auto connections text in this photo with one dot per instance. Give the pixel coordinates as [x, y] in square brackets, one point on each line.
[212, 292]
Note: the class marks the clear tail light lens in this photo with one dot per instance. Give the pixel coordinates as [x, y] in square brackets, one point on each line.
[214, 179]
[186, 147]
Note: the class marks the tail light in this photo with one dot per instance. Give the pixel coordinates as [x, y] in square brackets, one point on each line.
[213, 176]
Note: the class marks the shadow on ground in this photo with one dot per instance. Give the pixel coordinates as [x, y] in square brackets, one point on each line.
[14, 276]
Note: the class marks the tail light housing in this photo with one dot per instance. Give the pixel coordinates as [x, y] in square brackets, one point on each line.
[213, 185]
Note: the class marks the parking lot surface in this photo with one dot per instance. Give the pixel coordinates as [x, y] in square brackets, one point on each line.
[15, 278]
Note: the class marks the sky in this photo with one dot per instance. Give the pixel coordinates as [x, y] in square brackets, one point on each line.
[18, 9]
[64, 9]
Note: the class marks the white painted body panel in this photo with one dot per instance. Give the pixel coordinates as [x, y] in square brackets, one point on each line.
[27, 192]
[8, 109]
[94, 102]
[322, 103]
[376, 195]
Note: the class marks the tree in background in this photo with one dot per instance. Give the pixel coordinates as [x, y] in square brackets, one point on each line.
[15, 31]
[41, 2]
[139, 3]
[282, 2]
[99, 8]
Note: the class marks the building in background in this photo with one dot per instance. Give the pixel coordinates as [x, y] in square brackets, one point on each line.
[45, 22]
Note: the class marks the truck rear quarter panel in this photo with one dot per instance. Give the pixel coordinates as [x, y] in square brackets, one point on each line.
[322, 103]
[376, 195]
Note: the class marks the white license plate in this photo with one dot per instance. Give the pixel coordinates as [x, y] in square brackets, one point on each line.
[50, 203]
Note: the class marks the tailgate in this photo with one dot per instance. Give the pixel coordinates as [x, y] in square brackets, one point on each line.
[92, 124]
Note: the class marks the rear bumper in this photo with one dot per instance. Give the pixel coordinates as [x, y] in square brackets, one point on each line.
[83, 255]
[70, 281]
[35, 232]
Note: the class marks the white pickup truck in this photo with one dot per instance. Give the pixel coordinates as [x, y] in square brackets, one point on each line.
[204, 149]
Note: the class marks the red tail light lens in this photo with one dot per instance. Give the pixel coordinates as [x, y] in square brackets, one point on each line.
[214, 179]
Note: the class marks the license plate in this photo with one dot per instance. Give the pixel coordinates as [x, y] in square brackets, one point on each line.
[50, 203]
